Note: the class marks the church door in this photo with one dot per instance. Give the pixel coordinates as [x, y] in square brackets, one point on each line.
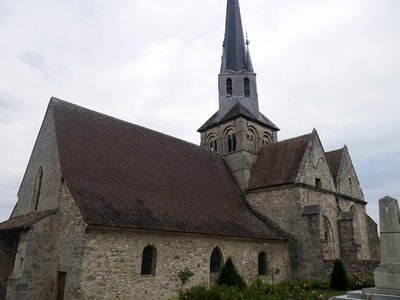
[62, 276]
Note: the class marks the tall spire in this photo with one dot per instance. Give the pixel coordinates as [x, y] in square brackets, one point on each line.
[237, 82]
[235, 52]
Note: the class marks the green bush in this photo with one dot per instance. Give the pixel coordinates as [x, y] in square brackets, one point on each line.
[360, 281]
[215, 292]
[339, 279]
[229, 276]
[259, 290]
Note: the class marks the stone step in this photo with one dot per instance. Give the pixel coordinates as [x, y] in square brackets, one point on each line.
[367, 295]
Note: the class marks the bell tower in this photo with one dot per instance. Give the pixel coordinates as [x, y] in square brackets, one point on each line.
[237, 130]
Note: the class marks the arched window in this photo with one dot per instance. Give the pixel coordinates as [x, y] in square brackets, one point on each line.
[229, 87]
[37, 188]
[329, 244]
[214, 146]
[262, 264]
[215, 261]
[149, 259]
[231, 143]
[246, 86]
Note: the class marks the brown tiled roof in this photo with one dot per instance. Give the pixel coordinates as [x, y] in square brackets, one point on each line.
[25, 221]
[334, 158]
[279, 163]
[124, 175]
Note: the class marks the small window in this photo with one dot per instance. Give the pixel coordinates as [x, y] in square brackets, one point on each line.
[233, 142]
[246, 86]
[350, 182]
[229, 144]
[37, 188]
[149, 261]
[229, 87]
[262, 264]
[215, 261]
[318, 183]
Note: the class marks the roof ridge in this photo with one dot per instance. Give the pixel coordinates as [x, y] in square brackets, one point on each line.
[293, 138]
[336, 150]
[55, 100]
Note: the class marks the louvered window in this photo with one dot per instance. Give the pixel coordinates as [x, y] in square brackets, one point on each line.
[229, 87]
[246, 86]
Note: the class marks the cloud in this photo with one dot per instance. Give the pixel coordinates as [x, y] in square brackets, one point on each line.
[329, 65]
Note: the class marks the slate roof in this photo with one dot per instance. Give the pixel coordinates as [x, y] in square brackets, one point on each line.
[235, 51]
[279, 163]
[237, 111]
[25, 221]
[334, 159]
[127, 176]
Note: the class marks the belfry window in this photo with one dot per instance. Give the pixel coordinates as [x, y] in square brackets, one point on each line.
[262, 264]
[214, 146]
[231, 143]
[149, 259]
[229, 87]
[246, 86]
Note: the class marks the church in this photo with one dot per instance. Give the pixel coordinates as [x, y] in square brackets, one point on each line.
[108, 209]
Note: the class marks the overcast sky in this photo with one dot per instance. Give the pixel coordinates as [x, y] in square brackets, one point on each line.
[330, 65]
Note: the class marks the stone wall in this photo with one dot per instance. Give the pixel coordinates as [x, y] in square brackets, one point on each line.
[250, 138]
[7, 245]
[55, 244]
[347, 182]
[373, 239]
[70, 244]
[284, 207]
[45, 155]
[352, 267]
[31, 277]
[112, 263]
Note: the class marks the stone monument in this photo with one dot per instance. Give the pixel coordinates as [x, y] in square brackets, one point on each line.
[387, 274]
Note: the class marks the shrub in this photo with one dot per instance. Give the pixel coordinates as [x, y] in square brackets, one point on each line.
[184, 276]
[360, 281]
[229, 276]
[339, 279]
[319, 284]
[198, 292]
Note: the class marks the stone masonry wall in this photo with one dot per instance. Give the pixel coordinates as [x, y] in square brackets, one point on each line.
[112, 265]
[45, 155]
[70, 245]
[373, 239]
[284, 207]
[7, 244]
[249, 136]
[31, 277]
[347, 182]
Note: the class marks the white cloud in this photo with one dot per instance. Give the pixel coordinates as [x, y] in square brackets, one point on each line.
[332, 65]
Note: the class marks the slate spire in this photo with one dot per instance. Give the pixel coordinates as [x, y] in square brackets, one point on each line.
[237, 83]
[235, 53]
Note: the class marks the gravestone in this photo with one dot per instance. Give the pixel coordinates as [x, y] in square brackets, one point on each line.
[387, 275]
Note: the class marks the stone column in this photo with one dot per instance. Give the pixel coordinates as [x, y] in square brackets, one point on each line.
[387, 275]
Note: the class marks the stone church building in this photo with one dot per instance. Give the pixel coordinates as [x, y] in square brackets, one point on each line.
[108, 209]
